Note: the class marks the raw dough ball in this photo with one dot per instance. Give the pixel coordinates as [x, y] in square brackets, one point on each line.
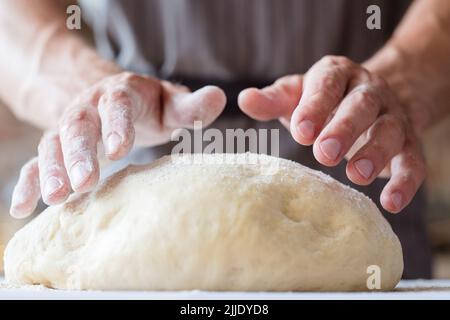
[178, 225]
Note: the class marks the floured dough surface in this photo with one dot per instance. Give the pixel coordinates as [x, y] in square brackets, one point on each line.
[181, 225]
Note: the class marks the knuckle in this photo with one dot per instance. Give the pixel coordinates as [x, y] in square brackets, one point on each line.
[348, 126]
[331, 60]
[395, 124]
[365, 97]
[390, 120]
[331, 87]
[330, 83]
[52, 169]
[78, 145]
[76, 119]
[285, 81]
[74, 115]
[328, 60]
[130, 78]
[344, 61]
[379, 81]
[119, 94]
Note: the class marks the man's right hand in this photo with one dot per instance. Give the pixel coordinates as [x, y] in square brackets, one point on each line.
[119, 110]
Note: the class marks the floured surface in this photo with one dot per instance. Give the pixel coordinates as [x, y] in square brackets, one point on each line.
[406, 289]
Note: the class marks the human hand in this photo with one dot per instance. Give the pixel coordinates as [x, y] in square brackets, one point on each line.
[343, 110]
[118, 110]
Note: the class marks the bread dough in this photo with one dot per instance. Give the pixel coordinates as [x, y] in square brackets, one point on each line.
[179, 225]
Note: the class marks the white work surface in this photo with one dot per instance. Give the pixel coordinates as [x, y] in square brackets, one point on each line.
[406, 289]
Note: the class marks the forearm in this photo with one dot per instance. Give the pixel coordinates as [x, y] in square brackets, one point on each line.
[44, 64]
[416, 64]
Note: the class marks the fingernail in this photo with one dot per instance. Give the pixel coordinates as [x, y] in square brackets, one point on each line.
[306, 129]
[113, 143]
[52, 185]
[397, 200]
[330, 148]
[79, 172]
[364, 167]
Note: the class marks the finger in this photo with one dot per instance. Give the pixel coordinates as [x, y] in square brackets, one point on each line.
[275, 101]
[26, 193]
[386, 138]
[79, 134]
[356, 113]
[408, 173]
[323, 89]
[55, 185]
[118, 111]
[181, 109]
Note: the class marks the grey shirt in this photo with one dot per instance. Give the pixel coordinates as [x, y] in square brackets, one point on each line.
[235, 39]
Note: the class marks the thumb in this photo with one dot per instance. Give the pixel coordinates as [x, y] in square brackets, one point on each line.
[181, 107]
[275, 101]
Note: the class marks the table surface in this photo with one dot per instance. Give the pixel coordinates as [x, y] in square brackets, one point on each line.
[405, 290]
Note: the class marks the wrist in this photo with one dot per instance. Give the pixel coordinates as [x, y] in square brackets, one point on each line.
[62, 66]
